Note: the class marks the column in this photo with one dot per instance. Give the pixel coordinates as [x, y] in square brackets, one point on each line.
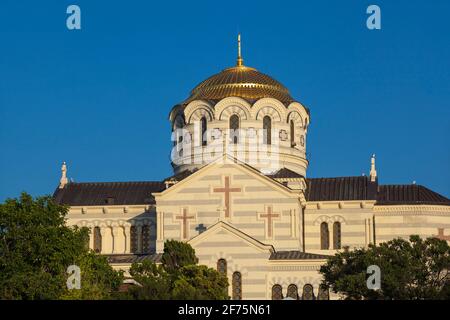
[115, 240]
[107, 240]
[91, 237]
[159, 231]
[127, 231]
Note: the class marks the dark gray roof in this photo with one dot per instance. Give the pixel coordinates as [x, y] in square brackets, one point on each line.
[318, 189]
[342, 188]
[284, 173]
[296, 255]
[108, 193]
[409, 194]
[180, 176]
[130, 258]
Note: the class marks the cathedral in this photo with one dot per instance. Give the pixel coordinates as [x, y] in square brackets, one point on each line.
[240, 195]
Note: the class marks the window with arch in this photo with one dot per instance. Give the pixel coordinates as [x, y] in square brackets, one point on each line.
[145, 239]
[337, 235]
[267, 130]
[292, 291]
[292, 133]
[324, 293]
[203, 124]
[133, 240]
[97, 240]
[177, 125]
[324, 236]
[222, 266]
[234, 128]
[308, 292]
[277, 292]
[236, 286]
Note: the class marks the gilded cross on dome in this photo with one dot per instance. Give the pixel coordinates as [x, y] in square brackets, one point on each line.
[240, 61]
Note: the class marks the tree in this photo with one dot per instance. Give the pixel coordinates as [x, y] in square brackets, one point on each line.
[200, 283]
[414, 269]
[98, 279]
[36, 247]
[154, 282]
[177, 254]
[177, 277]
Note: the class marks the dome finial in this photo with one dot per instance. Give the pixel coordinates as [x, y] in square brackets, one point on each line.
[373, 171]
[63, 181]
[240, 61]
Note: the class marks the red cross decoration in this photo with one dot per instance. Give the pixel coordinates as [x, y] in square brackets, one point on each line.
[269, 215]
[227, 191]
[185, 223]
[441, 235]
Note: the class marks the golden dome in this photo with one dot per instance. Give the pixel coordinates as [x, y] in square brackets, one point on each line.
[240, 81]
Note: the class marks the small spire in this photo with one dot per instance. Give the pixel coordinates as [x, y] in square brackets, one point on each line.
[373, 171]
[240, 61]
[63, 181]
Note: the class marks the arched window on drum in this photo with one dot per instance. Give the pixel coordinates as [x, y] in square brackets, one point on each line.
[292, 133]
[267, 130]
[234, 128]
[203, 129]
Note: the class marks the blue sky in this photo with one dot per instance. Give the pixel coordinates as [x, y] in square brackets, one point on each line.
[99, 97]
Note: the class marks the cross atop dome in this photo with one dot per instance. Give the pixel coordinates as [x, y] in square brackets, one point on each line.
[240, 61]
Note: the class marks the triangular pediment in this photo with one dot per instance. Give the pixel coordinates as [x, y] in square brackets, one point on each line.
[218, 164]
[222, 227]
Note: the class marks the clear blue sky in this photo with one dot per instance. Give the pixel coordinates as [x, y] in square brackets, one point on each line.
[99, 98]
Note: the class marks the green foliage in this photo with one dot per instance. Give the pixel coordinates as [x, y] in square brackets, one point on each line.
[415, 269]
[177, 254]
[177, 277]
[154, 280]
[200, 283]
[36, 247]
[98, 279]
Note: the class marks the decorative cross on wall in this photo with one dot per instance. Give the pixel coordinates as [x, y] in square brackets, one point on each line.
[216, 133]
[184, 217]
[200, 228]
[283, 135]
[227, 190]
[441, 235]
[269, 215]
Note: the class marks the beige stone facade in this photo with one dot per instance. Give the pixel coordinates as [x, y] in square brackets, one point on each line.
[251, 210]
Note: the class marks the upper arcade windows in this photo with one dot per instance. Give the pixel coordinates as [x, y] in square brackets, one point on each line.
[324, 236]
[337, 235]
[97, 239]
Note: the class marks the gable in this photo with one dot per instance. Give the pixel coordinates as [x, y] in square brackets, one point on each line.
[223, 235]
[211, 176]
